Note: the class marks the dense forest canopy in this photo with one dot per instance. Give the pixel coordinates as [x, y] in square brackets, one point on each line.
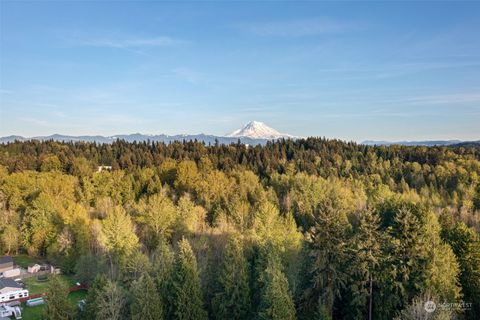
[295, 229]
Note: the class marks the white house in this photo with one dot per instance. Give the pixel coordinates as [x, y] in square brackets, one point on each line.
[101, 168]
[11, 290]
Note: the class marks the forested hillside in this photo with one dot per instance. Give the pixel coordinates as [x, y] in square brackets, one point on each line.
[305, 229]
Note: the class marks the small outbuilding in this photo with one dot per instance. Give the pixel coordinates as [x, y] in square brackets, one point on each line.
[6, 263]
[34, 268]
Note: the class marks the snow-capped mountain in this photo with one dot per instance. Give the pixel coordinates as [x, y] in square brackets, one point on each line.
[257, 130]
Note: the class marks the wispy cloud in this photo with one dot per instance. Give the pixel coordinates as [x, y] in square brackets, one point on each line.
[455, 98]
[413, 106]
[396, 70]
[296, 28]
[389, 70]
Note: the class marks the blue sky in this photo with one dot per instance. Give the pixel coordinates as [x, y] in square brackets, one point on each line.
[349, 70]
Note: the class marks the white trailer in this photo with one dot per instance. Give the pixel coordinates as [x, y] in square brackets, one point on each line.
[11, 290]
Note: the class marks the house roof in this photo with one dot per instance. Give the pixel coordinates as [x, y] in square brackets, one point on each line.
[6, 259]
[9, 283]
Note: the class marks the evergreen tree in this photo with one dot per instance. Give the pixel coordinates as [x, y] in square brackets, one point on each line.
[406, 269]
[187, 291]
[364, 265]
[466, 246]
[146, 303]
[163, 269]
[57, 305]
[94, 293]
[111, 302]
[329, 253]
[276, 302]
[232, 299]
[443, 269]
[135, 266]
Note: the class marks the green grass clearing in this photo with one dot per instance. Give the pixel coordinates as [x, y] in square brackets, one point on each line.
[76, 296]
[34, 286]
[35, 313]
[24, 260]
[32, 313]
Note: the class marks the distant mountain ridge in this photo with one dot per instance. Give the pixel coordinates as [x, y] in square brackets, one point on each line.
[426, 143]
[137, 137]
[252, 133]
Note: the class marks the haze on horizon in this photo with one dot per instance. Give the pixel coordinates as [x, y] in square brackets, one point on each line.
[354, 71]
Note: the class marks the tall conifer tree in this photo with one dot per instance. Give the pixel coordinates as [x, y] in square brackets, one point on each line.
[466, 246]
[57, 304]
[364, 265]
[329, 254]
[276, 302]
[111, 302]
[92, 300]
[146, 303]
[232, 300]
[188, 298]
[163, 270]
